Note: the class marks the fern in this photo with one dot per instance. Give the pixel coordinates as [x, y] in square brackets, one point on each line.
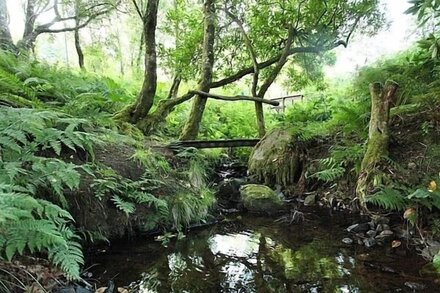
[125, 206]
[27, 223]
[390, 199]
[330, 170]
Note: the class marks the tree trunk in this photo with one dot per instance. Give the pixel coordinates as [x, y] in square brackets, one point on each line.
[174, 90]
[162, 111]
[192, 126]
[29, 34]
[270, 79]
[6, 42]
[260, 118]
[78, 48]
[146, 96]
[382, 100]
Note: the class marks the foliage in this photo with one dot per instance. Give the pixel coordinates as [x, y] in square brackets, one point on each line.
[329, 170]
[75, 93]
[401, 198]
[390, 199]
[187, 208]
[29, 140]
[189, 204]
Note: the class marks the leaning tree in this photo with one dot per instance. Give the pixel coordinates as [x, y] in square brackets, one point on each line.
[261, 38]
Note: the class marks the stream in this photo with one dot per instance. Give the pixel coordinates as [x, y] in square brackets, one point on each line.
[248, 253]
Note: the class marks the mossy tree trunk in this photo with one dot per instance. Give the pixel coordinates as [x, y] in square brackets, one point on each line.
[192, 126]
[382, 99]
[146, 95]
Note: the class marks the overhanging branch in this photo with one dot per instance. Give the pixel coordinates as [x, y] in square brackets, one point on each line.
[242, 73]
[235, 98]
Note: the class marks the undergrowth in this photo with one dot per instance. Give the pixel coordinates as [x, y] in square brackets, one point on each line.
[29, 222]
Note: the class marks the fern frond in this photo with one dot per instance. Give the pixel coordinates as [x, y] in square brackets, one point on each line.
[330, 174]
[125, 206]
[390, 199]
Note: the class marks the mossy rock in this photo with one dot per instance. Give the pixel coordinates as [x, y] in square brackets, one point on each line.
[277, 159]
[260, 199]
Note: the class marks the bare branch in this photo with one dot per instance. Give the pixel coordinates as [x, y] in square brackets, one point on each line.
[250, 48]
[353, 28]
[283, 58]
[136, 6]
[45, 28]
[235, 98]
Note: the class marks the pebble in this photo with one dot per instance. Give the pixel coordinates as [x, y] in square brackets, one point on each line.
[371, 233]
[369, 242]
[379, 228]
[415, 286]
[387, 233]
[347, 241]
[358, 228]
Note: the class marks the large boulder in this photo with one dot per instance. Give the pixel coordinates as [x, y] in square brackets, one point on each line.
[260, 199]
[277, 159]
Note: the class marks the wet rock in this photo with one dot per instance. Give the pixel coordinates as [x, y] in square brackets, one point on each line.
[385, 227]
[260, 199]
[372, 225]
[230, 211]
[310, 200]
[384, 236]
[371, 233]
[415, 286]
[387, 233]
[379, 228]
[228, 194]
[358, 228]
[380, 220]
[359, 235]
[347, 241]
[370, 242]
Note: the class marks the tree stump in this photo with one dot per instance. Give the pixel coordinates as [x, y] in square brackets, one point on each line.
[382, 99]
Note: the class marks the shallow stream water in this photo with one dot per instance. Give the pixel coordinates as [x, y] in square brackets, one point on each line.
[257, 254]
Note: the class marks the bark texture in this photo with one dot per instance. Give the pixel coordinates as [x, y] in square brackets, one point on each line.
[382, 99]
[192, 126]
[146, 96]
[79, 50]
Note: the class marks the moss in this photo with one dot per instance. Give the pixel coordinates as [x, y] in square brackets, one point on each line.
[276, 160]
[260, 198]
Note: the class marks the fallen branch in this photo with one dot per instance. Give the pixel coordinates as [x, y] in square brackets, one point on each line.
[235, 98]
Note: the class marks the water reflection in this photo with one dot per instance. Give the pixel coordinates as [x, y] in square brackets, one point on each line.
[257, 255]
[239, 244]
